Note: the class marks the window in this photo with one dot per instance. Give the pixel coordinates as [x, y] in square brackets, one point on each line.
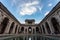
[47, 26]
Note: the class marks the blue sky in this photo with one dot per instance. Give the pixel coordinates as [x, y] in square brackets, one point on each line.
[29, 9]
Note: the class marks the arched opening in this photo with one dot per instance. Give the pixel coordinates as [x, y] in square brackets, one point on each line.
[22, 29]
[43, 29]
[30, 29]
[4, 25]
[16, 28]
[47, 26]
[11, 28]
[37, 29]
[55, 25]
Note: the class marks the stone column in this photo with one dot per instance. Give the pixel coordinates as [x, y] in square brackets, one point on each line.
[35, 30]
[13, 30]
[42, 30]
[51, 27]
[17, 29]
[27, 30]
[45, 29]
[32, 30]
[24, 30]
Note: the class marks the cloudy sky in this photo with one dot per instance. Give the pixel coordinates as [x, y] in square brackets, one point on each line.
[29, 9]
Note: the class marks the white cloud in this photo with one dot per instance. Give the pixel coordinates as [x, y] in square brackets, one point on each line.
[29, 8]
[32, 3]
[50, 4]
[46, 13]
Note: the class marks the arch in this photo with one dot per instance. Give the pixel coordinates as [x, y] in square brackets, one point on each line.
[11, 27]
[22, 29]
[4, 24]
[43, 29]
[16, 28]
[47, 26]
[55, 25]
[37, 29]
[30, 29]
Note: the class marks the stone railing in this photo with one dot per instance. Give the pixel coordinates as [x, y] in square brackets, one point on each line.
[29, 37]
